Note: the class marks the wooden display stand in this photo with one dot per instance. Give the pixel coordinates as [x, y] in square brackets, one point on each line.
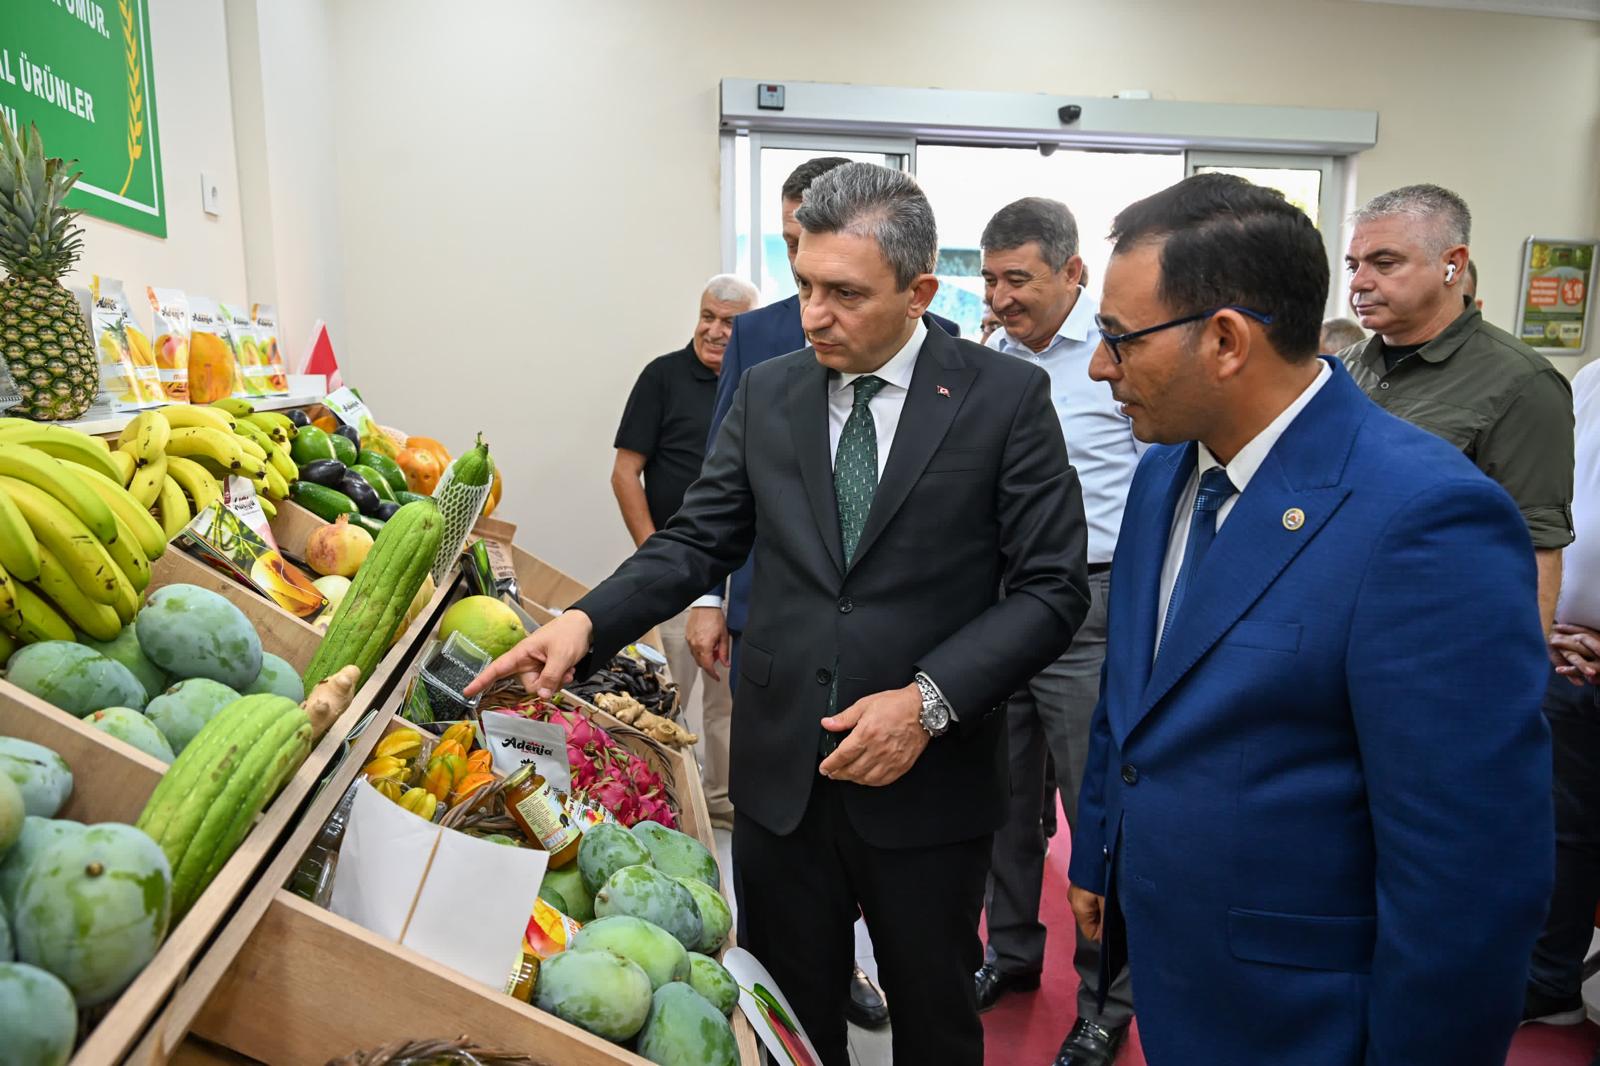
[113, 780]
[289, 982]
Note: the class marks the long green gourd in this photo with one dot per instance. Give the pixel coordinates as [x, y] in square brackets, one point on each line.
[376, 605]
[461, 494]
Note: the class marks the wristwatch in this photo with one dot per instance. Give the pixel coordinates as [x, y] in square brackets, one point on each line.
[936, 713]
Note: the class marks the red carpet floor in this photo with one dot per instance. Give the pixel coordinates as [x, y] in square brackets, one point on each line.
[1026, 1029]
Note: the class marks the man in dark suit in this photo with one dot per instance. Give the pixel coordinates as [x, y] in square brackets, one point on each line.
[1316, 817]
[896, 480]
[711, 632]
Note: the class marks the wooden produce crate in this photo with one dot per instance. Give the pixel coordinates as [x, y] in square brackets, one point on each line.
[547, 590]
[289, 982]
[112, 782]
[490, 528]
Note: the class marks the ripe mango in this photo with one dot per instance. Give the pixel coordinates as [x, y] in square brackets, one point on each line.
[656, 951]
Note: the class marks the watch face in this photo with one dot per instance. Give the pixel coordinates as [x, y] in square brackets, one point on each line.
[936, 719]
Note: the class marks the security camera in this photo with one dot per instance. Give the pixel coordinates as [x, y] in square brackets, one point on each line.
[1069, 113]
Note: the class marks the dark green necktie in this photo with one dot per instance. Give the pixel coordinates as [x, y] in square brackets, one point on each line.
[855, 481]
[855, 465]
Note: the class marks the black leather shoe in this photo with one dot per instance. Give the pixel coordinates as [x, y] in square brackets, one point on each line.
[1090, 1045]
[991, 984]
[866, 1007]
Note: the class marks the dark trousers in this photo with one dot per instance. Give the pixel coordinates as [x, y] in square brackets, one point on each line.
[798, 902]
[1574, 717]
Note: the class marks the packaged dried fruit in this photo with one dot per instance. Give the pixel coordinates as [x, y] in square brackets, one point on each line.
[212, 366]
[171, 346]
[128, 376]
[273, 375]
[241, 338]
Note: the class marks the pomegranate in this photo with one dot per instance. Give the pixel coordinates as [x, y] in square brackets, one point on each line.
[338, 549]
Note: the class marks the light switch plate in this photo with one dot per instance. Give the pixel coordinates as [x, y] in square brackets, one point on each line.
[210, 194]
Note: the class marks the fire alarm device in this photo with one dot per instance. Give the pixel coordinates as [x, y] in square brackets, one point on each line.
[769, 97]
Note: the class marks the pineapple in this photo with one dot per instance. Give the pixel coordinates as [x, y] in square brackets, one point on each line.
[43, 337]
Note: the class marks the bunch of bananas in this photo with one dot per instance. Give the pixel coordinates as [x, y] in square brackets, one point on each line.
[75, 545]
[175, 460]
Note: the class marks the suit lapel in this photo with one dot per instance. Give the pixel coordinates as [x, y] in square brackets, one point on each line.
[808, 422]
[1261, 537]
[939, 386]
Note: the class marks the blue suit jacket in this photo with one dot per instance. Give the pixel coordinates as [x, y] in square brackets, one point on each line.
[1324, 812]
[759, 335]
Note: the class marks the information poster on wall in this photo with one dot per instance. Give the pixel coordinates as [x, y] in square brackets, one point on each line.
[1557, 294]
[80, 71]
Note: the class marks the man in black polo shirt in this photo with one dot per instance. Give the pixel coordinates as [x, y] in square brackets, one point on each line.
[663, 438]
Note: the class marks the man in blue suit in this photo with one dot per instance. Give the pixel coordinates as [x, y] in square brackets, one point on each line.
[1316, 822]
[713, 634]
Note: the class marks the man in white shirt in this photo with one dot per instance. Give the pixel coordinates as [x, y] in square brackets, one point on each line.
[1572, 707]
[1032, 276]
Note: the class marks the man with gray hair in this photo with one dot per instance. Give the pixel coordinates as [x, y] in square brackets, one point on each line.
[1435, 362]
[1032, 276]
[662, 439]
[1339, 334]
[920, 555]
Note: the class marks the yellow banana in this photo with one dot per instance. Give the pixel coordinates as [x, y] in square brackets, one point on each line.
[19, 548]
[130, 557]
[48, 475]
[192, 416]
[34, 619]
[146, 436]
[251, 448]
[146, 483]
[277, 487]
[220, 447]
[126, 464]
[64, 443]
[234, 406]
[174, 508]
[267, 506]
[98, 620]
[195, 480]
[276, 425]
[59, 530]
[281, 461]
[8, 595]
[152, 541]
[246, 428]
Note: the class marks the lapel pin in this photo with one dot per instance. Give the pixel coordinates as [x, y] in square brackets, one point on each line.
[942, 390]
[1293, 519]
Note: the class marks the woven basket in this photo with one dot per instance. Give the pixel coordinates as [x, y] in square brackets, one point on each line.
[420, 1052]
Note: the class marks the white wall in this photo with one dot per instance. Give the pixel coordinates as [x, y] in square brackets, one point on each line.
[529, 199]
[192, 95]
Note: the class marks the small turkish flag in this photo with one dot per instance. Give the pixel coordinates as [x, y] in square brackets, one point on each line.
[942, 390]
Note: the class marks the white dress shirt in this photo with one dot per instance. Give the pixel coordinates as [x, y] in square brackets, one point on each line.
[1579, 604]
[1240, 471]
[885, 407]
[1100, 440]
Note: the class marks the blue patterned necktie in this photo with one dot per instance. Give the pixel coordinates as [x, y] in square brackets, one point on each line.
[1215, 488]
[855, 465]
[855, 482]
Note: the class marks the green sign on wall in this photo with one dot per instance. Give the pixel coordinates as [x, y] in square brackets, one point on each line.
[80, 71]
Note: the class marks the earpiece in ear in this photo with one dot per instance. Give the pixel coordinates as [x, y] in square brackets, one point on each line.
[1449, 273]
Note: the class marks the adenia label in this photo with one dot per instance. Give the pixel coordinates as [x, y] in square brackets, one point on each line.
[515, 741]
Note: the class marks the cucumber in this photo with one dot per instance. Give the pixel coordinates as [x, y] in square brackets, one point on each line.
[386, 466]
[344, 449]
[311, 444]
[328, 472]
[327, 504]
[375, 478]
[410, 497]
[371, 523]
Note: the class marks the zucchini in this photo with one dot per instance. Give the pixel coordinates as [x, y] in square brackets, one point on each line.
[371, 523]
[410, 497]
[381, 594]
[344, 449]
[379, 483]
[386, 466]
[327, 504]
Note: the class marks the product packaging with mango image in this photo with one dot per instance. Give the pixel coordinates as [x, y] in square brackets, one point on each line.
[128, 376]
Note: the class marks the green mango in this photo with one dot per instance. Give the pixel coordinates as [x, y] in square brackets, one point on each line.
[184, 709]
[569, 882]
[595, 990]
[605, 849]
[93, 908]
[685, 1029]
[189, 632]
[37, 1016]
[553, 898]
[656, 951]
[716, 918]
[131, 727]
[645, 892]
[708, 977]
[278, 677]
[43, 776]
[77, 679]
[12, 811]
[125, 650]
[37, 833]
[678, 854]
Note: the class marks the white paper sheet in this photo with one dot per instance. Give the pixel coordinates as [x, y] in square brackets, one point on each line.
[470, 911]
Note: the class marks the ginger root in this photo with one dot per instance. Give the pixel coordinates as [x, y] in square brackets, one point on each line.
[630, 711]
[331, 698]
